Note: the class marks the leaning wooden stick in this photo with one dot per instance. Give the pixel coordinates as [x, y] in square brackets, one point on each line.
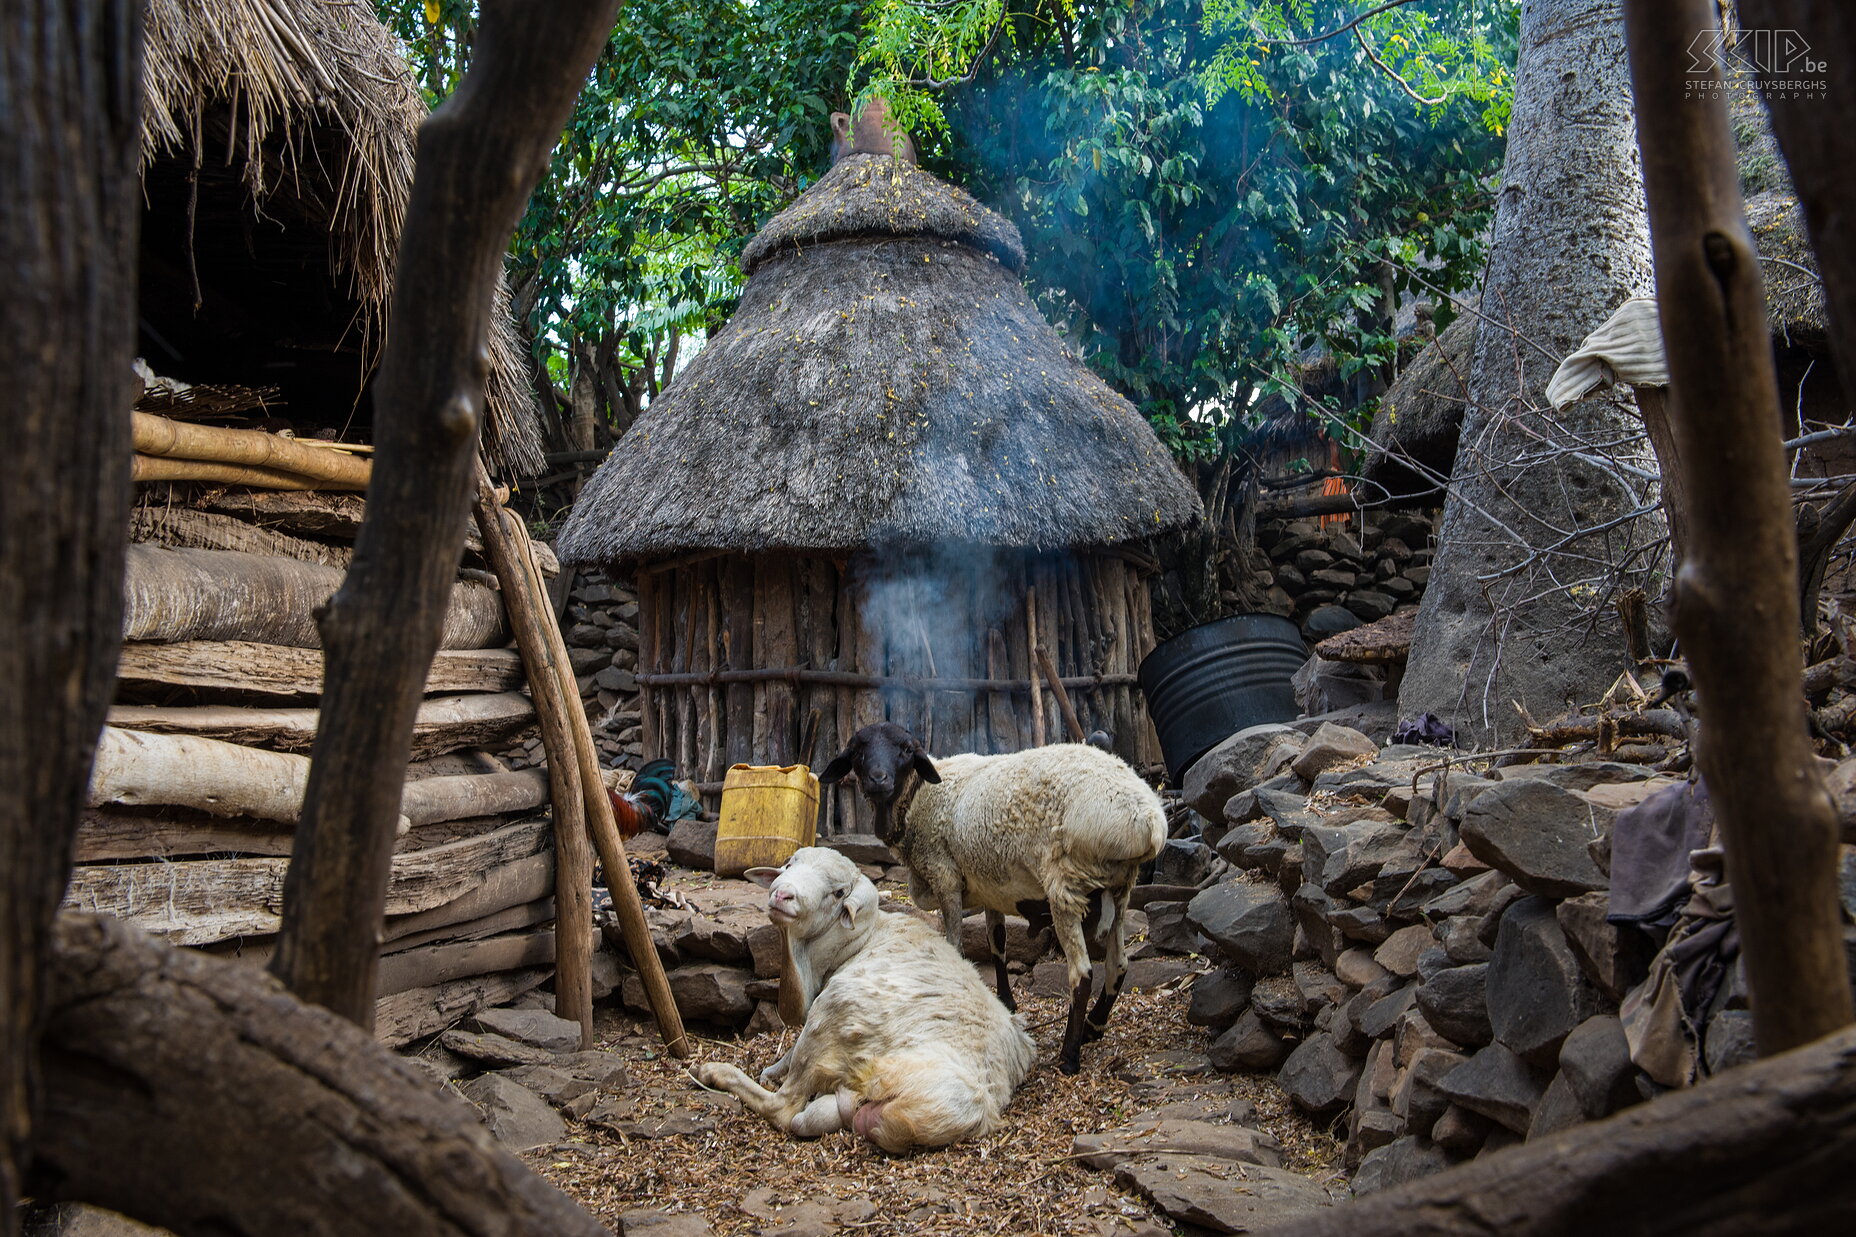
[1055, 683]
[605, 829]
[573, 859]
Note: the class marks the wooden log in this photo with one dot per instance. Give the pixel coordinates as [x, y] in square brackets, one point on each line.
[134, 769]
[1001, 717]
[1723, 404]
[606, 840]
[443, 724]
[194, 902]
[286, 670]
[556, 699]
[737, 583]
[777, 639]
[155, 468]
[183, 441]
[508, 919]
[184, 527]
[1031, 645]
[433, 799]
[517, 883]
[431, 965]
[104, 834]
[184, 594]
[168, 1060]
[420, 1012]
[1760, 1150]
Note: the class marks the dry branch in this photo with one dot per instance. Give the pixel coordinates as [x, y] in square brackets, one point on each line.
[1736, 595]
[165, 1070]
[181, 441]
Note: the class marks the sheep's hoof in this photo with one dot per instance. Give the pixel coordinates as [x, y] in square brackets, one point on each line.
[1091, 1034]
[1070, 1065]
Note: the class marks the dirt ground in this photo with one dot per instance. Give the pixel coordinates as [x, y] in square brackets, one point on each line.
[714, 1160]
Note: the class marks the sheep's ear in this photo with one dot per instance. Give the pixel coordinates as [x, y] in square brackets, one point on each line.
[764, 877]
[924, 766]
[848, 913]
[839, 767]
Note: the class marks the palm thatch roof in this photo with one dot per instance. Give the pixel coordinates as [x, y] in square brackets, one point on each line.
[885, 381]
[310, 107]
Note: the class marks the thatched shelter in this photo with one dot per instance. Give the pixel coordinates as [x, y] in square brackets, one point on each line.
[850, 503]
[1415, 428]
[277, 160]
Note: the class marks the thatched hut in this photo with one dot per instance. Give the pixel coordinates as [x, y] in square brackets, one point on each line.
[869, 489]
[1412, 442]
[277, 160]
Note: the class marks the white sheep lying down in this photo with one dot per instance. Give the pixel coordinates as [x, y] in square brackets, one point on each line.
[902, 1040]
[1060, 831]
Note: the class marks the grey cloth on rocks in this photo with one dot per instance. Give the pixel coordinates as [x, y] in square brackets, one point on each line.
[1650, 848]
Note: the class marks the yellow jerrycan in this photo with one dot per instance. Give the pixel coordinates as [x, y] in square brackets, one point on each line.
[768, 812]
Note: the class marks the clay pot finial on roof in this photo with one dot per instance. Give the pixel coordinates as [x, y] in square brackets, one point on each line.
[874, 133]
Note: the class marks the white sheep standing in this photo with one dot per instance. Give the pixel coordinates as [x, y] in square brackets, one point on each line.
[1053, 830]
[902, 1042]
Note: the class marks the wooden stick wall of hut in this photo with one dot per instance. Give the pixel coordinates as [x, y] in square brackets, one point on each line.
[1037, 691]
[605, 828]
[1051, 677]
[573, 861]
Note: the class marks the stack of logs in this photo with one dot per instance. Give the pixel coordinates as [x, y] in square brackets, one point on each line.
[200, 772]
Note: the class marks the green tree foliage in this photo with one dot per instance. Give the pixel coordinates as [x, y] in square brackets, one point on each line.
[1204, 199]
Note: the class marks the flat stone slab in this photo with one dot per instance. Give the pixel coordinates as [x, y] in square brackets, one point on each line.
[495, 1050]
[516, 1116]
[536, 1027]
[1226, 1142]
[663, 1224]
[1220, 1195]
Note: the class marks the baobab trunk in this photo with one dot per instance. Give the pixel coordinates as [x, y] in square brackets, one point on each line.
[1537, 526]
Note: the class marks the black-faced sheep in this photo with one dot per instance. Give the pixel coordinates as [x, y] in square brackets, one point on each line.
[1055, 830]
[902, 1042]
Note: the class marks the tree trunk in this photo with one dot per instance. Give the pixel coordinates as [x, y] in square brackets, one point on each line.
[1760, 1150]
[172, 595]
[480, 155]
[1515, 611]
[283, 670]
[196, 1094]
[442, 724]
[1736, 598]
[70, 127]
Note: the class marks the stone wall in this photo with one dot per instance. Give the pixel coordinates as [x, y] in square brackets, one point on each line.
[1334, 578]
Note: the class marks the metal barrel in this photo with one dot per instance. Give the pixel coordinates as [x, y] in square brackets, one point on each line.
[1208, 683]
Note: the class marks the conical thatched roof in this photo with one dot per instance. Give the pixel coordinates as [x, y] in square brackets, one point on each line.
[275, 86]
[1421, 414]
[886, 381]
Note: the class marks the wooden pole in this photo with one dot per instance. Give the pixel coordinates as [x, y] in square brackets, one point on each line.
[1736, 596]
[1070, 720]
[573, 857]
[606, 839]
[1031, 643]
[182, 441]
[479, 156]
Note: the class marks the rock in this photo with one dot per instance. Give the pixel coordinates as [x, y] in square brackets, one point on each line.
[1412, 1033]
[1218, 998]
[1496, 1083]
[1460, 1131]
[614, 679]
[1226, 1142]
[1248, 1045]
[1378, 1019]
[1164, 1064]
[1153, 974]
[1329, 746]
[1318, 987]
[1537, 834]
[1405, 1160]
[1339, 857]
[652, 1223]
[1460, 860]
[1370, 605]
[859, 847]
[692, 844]
[706, 992]
[1288, 809]
[1536, 991]
[1219, 1195]
[519, 1119]
[766, 945]
[1318, 1077]
[1558, 1110]
[1186, 861]
[1582, 777]
[1278, 1001]
[1360, 923]
[495, 1051]
[606, 1070]
[1254, 847]
[1399, 953]
[721, 935]
[1455, 1002]
[1250, 925]
[1596, 1066]
[1476, 896]
[1417, 1096]
[536, 1027]
[1249, 757]
[1615, 957]
[1020, 945]
[1356, 968]
[1325, 621]
[1461, 937]
[1728, 1040]
[556, 1086]
[1169, 930]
